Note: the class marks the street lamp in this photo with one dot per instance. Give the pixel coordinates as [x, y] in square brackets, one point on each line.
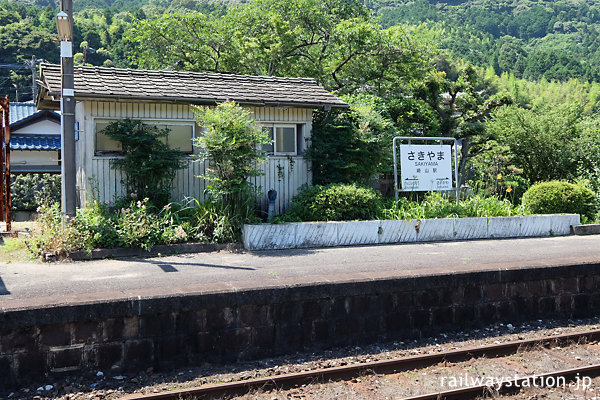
[64, 26]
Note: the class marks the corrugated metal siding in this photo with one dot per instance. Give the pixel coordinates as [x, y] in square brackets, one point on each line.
[284, 174]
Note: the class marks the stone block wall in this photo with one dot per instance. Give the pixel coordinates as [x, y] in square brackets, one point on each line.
[135, 334]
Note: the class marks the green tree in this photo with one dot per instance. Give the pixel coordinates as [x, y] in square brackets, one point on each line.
[462, 99]
[542, 143]
[354, 145]
[334, 41]
[511, 55]
[413, 117]
[555, 39]
[232, 143]
[588, 145]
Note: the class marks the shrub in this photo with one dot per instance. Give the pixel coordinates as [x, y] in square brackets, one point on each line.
[53, 237]
[336, 202]
[231, 142]
[149, 164]
[96, 227]
[29, 192]
[133, 224]
[560, 197]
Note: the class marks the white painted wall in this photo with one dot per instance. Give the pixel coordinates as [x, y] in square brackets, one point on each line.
[42, 127]
[97, 180]
[33, 157]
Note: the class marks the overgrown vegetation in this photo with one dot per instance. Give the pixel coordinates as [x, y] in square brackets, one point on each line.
[231, 142]
[436, 205]
[148, 163]
[31, 191]
[339, 202]
[140, 224]
[515, 82]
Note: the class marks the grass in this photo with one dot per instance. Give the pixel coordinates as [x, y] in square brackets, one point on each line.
[14, 250]
[435, 205]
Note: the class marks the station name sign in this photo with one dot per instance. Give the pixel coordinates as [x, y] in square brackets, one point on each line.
[426, 167]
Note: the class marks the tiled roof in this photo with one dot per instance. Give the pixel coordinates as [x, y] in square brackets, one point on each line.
[193, 87]
[20, 111]
[34, 142]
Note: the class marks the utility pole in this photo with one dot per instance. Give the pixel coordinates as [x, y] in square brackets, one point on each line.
[24, 65]
[33, 77]
[64, 23]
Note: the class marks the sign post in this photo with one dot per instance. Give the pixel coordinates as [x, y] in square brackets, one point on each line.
[425, 167]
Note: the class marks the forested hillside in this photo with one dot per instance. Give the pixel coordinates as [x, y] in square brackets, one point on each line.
[516, 82]
[28, 28]
[532, 39]
[131, 5]
[556, 40]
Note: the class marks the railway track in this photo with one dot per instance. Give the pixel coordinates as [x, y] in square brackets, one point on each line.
[225, 390]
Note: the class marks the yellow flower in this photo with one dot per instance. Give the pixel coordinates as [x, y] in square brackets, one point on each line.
[508, 189]
[499, 176]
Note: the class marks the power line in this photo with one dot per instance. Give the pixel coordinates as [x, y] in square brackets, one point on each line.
[23, 65]
[31, 65]
[5, 80]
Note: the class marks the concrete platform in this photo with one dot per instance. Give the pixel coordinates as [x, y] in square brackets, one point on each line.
[42, 285]
[182, 310]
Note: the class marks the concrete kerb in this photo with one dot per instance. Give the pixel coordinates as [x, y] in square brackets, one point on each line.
[591, 229]
[329, 234]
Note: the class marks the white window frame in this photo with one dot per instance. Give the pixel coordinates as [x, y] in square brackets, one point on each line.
[161, 123]
[275, 126]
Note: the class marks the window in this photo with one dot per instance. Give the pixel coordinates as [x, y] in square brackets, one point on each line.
[284, 139]
[104, 144]
[179, 136]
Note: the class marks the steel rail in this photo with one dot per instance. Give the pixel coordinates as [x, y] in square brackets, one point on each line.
[383, 366]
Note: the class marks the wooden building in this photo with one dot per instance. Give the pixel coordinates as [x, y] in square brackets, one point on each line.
[34, 139]
[283, 106]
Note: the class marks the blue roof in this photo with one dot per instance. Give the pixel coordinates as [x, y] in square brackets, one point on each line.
[20, 111]
[34, 142]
